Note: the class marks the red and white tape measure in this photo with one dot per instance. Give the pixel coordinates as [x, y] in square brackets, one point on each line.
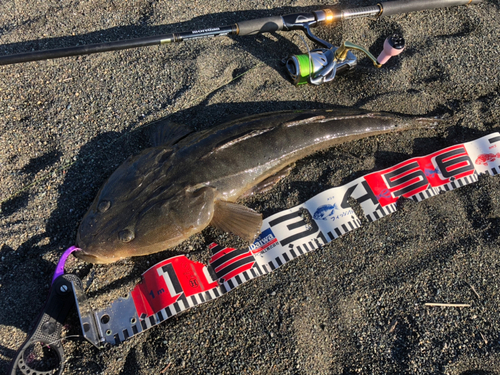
[178, 283]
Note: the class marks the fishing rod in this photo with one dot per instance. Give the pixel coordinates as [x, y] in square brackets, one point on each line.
[316, 67]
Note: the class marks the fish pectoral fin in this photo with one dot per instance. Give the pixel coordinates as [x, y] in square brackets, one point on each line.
[168, 133]
[237, 219]
[269, 182]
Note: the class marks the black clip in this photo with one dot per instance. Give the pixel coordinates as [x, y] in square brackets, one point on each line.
[42, 353]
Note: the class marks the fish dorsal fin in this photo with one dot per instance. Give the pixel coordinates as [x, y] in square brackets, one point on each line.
[233, 117]
[237, 219]
[166, 133]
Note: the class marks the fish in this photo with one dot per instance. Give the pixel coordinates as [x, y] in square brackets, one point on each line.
[431, 172]
[324, 212]
[484, 159]
[186, 181]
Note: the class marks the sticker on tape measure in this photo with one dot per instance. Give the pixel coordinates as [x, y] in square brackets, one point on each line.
[177, 283]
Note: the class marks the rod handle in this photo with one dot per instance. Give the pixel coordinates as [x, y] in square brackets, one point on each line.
[406, 6]
[260, 25]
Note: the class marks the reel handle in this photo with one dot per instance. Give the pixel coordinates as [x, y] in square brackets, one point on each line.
[393, 46]
[341, 53]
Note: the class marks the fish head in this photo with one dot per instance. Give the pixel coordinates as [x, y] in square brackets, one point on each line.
[136, 213]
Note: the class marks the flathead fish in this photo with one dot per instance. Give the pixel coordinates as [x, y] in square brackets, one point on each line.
[160, 197]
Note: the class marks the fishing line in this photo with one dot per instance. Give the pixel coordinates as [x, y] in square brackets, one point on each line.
[302, 62]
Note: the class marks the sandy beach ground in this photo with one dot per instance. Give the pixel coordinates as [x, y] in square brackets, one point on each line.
[355, 306]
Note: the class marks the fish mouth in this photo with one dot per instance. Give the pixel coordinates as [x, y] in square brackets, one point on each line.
[90, 258]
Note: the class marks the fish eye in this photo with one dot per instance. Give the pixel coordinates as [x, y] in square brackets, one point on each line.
[103, 206]
[126, 235]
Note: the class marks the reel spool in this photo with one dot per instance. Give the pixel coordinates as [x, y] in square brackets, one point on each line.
[318, 66]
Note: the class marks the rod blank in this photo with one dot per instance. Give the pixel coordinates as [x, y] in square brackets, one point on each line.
[407, 6]
[79, 50]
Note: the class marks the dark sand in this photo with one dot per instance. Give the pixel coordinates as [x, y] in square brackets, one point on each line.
[355, 306]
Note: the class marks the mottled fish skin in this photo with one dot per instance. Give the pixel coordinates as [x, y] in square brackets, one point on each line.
[157, 199]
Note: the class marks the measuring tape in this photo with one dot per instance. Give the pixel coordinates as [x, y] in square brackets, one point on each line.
[177, 284]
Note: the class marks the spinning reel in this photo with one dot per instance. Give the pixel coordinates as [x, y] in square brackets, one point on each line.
[322, 64]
